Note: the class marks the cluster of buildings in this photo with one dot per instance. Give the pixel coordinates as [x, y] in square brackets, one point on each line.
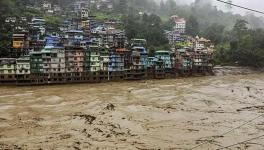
[76, 63]
[84, 50]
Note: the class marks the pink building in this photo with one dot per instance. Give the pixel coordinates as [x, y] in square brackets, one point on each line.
[74, 57]
[180, 24]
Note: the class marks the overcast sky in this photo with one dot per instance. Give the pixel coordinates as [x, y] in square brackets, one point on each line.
[254, 4]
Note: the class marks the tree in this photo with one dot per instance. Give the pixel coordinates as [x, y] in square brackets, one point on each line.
[162, 6]
[192, 27]
[215, 33]
[122, 6]
[147, 27]
[170, 5]
[240, 28]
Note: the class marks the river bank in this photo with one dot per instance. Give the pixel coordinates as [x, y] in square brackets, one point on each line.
[152, 114]
[235, 70]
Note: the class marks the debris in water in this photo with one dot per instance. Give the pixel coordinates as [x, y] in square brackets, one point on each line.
[88, 118]
[65, 136]
[110, 107]
[248, 88]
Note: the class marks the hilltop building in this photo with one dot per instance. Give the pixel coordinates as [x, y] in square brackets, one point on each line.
[180, 24]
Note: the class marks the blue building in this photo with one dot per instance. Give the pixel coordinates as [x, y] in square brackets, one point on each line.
[143, 55]
[116, 62]
[165, 56]
[52, 41]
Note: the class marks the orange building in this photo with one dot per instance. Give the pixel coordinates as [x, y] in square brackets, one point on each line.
[20, 41]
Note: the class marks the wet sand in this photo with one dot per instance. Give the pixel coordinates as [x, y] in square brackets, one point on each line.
[159, 114]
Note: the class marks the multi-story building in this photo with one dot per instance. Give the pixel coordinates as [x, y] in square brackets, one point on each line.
[173, 36]
[7, 66]
[75, 59]
[85, 26]
[53, 59]
[23, 65]
[20, 44]
[104, 60]
[46, 5]
[80, 4]
[7, 70]
[36, 63]
[94, 56]
[138, 43]
[143, 56]
[180, 24]
[165, 56]
[183, 61]
[10, 20]
[84, 13]
[203, 45]
[20, 41]
[120, 40]
[23, 70]
[40, 24]
[73, 38]
[52, 41]
[116, 62]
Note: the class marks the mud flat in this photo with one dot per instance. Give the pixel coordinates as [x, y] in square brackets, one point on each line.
[202, 112]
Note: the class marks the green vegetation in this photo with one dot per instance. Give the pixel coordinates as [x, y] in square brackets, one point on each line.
[242, 46]
[146, 26]
[53, 21]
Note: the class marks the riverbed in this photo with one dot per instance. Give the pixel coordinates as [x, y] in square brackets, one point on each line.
[189, 113]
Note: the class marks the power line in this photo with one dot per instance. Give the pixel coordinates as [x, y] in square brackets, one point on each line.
[227, 132]
[226, 147]
[261, 12]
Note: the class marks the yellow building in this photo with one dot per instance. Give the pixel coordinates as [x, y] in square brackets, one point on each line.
[85, 24]
[20, 41]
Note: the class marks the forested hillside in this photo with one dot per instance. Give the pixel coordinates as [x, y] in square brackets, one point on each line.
[202, 17]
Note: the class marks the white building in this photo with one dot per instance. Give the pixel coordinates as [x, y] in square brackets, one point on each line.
[80, 4]
[46, 5]
[180, 24]
[203, 45]
[10, 20]
[57, 8]
[53, 60]
[23, 65]
[173, 36]
[84, 13]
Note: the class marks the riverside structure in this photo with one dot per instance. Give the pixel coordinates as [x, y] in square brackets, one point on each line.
[93, 64]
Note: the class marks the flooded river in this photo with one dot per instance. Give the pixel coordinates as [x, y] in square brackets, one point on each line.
[193, 113]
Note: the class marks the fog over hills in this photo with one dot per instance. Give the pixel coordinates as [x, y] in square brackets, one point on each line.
[253, 4]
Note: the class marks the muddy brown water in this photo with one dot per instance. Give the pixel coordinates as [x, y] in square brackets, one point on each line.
[158, 114]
